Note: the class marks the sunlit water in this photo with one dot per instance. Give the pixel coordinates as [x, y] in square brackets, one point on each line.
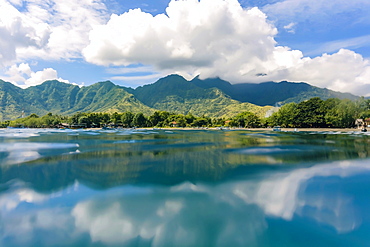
[183, 188]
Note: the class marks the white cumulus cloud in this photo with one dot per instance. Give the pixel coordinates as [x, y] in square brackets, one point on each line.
[32, 30]
[22, 75]
[193, 37]
[219, 38]
[344, 71]
[209, 38]
[46, 29]
[18, 31]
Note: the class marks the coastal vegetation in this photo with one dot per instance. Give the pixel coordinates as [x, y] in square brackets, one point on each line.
[318, 113]
[130, 120]
[312, 113]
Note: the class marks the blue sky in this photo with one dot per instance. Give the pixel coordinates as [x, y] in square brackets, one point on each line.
[135, 42]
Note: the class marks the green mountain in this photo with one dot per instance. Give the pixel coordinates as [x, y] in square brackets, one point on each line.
[62, 98]
[11, 101]
[218, 98]
[175, 94]
[210, 97]
[270, 93]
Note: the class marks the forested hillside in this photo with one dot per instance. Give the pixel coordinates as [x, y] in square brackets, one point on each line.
[63, 98]
[271, 93]
[173, 93]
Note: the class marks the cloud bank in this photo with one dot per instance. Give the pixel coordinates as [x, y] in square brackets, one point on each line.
[24, 77]
[44, 30]
[210, 38]
[219, 38]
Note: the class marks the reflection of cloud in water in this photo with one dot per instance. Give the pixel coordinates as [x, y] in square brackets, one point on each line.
[181, 218]
[108, 226]
[10, 201]
[279, 150]
[19, 157]
[44, 227]
[183, 215]
[283, 195]
[236, 213]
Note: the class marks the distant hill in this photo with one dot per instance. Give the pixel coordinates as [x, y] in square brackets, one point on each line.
[173, 93]
[270, 93]
[11, 101]
[62, 98]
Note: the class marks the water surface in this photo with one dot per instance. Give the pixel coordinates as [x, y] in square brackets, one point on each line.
[183, 188]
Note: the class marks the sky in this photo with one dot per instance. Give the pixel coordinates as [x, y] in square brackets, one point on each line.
[135, 42]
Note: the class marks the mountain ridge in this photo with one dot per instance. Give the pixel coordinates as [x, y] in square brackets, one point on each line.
[213, 97]
[273, 92]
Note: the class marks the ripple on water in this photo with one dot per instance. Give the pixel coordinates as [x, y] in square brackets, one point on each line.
[278, 150]
[19, 152]
[19, 146]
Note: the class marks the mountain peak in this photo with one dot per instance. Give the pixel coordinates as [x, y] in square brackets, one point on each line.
[174, 76]
[106, 82]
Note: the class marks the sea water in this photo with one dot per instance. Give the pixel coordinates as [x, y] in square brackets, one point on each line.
[184, 188]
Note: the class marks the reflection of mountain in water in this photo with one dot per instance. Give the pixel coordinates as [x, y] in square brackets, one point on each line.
[107, 159]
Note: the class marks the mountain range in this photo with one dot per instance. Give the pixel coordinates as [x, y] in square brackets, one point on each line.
[211, 97]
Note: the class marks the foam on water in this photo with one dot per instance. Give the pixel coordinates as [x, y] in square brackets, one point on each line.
[280, 150]
[21, 146]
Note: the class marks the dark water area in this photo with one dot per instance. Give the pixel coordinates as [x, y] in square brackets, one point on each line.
[184, 188]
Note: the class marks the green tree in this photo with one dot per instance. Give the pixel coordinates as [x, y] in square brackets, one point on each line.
[95, 119]
[155, 119]
[127, 118]
[218, 122]
[104, 118]
[115, 118]
[331, 116]
[139, 120]
[48, 119]
[74, 119]
[201, 122]
[246, 120]
[343, 115]
[189, 119]
[251, 120]
[311, 113]
[84, 120]
[164, 115]
[180, 120]
[287, 115]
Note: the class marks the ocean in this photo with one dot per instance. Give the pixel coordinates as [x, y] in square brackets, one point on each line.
[173, 187]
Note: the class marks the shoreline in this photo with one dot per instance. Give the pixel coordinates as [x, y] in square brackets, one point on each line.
[265, 129]
[316, 129]
[224, 128]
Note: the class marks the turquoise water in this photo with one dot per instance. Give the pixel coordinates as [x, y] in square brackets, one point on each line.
[183, 188]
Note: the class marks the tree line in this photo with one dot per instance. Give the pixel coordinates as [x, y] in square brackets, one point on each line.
[130, 120]
[318, 113]
[315, 113]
